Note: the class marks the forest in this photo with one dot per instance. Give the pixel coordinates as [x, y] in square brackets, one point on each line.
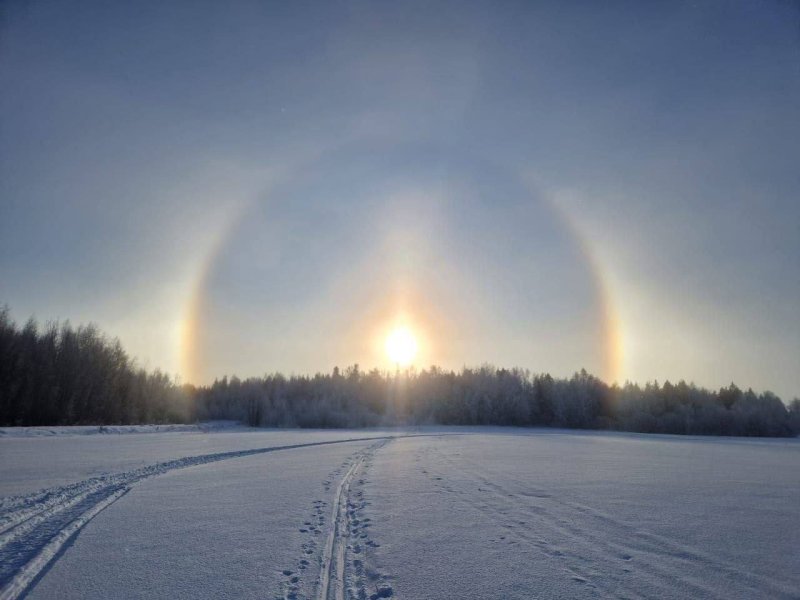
[58, 374]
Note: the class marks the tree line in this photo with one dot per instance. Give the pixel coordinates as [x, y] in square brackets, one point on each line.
[492, 396]
[64, 375]
[60, 375]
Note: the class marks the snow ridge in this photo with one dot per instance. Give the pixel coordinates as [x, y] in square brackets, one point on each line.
[35, 528]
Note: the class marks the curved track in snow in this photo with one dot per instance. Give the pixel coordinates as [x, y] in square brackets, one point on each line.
[35, 528]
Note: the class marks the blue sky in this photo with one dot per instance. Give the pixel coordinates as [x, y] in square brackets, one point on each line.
[502, 175]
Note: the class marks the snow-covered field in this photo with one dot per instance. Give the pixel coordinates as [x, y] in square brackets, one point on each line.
[422, 514]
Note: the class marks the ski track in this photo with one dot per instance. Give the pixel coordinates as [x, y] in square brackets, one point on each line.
[331, 579]
[342, 561]
[34, 528]
[610, 556]
[590, 555]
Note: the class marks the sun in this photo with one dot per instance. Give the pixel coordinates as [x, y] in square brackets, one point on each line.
[401, 346]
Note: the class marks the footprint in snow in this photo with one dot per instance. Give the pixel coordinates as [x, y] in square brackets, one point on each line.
[382, 592]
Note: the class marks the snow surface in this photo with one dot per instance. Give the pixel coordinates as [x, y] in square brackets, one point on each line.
[206, 427]
[583, 516]
[32, 463]
[431, 513]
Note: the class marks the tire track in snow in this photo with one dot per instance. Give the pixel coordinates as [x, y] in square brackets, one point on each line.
[35, 528]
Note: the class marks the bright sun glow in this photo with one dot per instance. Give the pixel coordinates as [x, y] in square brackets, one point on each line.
[401, 346]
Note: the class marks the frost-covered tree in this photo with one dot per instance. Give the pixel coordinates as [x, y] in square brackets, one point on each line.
[60, 374]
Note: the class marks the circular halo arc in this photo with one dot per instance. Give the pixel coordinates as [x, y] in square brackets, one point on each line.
[194, 370]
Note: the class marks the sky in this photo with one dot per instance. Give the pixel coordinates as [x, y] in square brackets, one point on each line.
[250, 187]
